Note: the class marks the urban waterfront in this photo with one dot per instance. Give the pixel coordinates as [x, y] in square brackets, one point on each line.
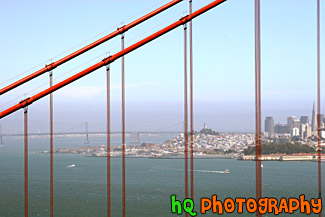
[81, 190]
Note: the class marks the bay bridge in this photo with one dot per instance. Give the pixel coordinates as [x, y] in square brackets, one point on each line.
[186, 23]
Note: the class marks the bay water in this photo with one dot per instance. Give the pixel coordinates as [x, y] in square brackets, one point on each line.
[81, 190]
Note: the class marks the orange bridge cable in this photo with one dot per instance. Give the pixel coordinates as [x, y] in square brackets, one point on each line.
[123, 130]
[110, 59]
[259, 100]
[258, 90]
[24, 72]
[108, 143]
[51, 149]
[143, 11]
[77, 45]
[85, 63]
[185, 114]
[191, 105]
[319, 105]
[106, 30]
[88, 47]
[258, 103]
[26, 158]
[29, 92]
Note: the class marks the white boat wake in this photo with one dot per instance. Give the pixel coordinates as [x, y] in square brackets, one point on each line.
[199, 171]
[72, 165]
[212, 171]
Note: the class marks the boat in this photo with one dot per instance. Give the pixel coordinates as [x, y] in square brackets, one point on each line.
[226, 171]
[72, 165]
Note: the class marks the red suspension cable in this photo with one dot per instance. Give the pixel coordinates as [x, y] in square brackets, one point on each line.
[258, 102]
[191, 106]
[51, 150]
[108, 60]
[185, 115]
[26, 158]
[123, 131]
[108, 163]
[88, 47]
[319, 150]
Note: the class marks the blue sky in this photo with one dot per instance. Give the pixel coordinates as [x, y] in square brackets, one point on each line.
[32, 32]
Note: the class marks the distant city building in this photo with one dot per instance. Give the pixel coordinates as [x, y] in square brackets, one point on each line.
[269, 126]
[281, 140]
[296, 123]
[305, 131]
[304, 120]
[313, 119]
[302, 130]
[290, 120]
[308, 132]
[205, 126]
[282, 129]
[295, 131]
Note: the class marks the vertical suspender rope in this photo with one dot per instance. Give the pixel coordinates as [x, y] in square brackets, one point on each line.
[258, 102]
[26, 158]
[191, 106]
[318, 106]
[51, 148]
[108, 148]
[123, 130]
[185, 114]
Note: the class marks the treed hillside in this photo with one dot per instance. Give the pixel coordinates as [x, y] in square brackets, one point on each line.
[280, 149]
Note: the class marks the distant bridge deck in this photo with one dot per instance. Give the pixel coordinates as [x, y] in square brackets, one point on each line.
[91, 133]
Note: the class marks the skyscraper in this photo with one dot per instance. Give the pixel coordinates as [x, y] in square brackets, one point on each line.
[313, 119]
[304, 120]
[296, 123]
[269, 126]
[290, 120]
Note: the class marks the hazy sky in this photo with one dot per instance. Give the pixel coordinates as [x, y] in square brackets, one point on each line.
[32, 32]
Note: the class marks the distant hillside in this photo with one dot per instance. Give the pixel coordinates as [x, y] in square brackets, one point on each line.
[208, 131]
[280, 149]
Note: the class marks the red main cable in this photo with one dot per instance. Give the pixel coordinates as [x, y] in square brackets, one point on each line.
[108, 60]
[88, 47]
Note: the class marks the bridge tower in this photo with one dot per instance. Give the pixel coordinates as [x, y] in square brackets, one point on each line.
[135, 137]
[87, 138]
